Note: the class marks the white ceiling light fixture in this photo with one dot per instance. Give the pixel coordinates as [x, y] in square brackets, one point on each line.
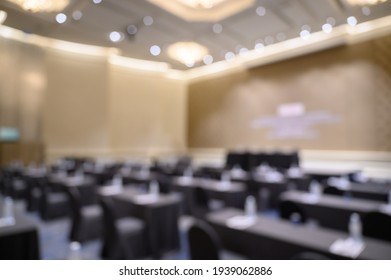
[208, 59]
[201, 4]
[187, 53]
[155, 50]
[116, 36]
[203, 10]
[61, 18]
[364, 2]
[352, 21]
[41, 6]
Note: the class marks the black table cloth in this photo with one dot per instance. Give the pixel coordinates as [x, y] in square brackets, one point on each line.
[322, 174]
[331, 211]
[19, 241]
[160, 215]
[368, 191]
[233, 194]
[269, 238]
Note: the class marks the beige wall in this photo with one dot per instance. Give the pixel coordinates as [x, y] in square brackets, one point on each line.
[147, 113]
[351, 83]
[75, 107]
[101, 110]
[22, 86]
[82, 105]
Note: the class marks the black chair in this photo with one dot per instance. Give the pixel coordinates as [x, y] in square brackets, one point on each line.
[123, 237]
[204, 243]
[237, 158]
[333, 191]
[164, 182]
[200, 203]
[53, 203]
[377, 225]
[34, 192]
[288, 209]
[87, 219]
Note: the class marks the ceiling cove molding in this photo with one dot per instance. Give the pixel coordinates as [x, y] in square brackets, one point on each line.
[341, 35]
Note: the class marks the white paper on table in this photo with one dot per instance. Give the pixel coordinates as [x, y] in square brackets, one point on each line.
[347, 247]
[273, 176]
[340, 183]
[385, 208]
[146, 198]
[6, 222]
[223, 185]
[111, 190]
[185, 180]
[310, 198]
[240, 222]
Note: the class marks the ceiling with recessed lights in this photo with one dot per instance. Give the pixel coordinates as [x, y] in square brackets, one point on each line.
[142, 29]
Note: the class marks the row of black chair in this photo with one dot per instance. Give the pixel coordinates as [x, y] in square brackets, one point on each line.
[250, 160]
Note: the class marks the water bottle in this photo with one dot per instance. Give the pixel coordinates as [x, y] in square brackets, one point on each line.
[225, 177]
[295, 218]
[74, 251]
[8, 211]
[117, 181]
[79, 174]
[355, 227]
[188, 172]
[251, 207]
[315, 188]
[154, 188]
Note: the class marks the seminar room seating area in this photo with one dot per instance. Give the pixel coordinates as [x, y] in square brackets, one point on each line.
[259, 205]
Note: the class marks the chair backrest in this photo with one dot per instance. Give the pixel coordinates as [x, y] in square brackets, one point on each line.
[289, 208]
[109, 217]
[239, 158]
[204, 243]
[75, 203]
[164, 183]
[201, 198]
[377, 225]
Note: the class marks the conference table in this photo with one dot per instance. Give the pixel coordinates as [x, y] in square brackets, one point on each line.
[322, 174]
[160, 213]
[86, 185]
[19, 241]
[332, 211]
[142, 177]
[267, 238]
[232, 194]
[372, 191]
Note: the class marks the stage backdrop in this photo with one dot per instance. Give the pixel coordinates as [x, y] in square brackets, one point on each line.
[339, 99]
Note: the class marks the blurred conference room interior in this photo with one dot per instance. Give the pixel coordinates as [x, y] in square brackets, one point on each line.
[195, 129]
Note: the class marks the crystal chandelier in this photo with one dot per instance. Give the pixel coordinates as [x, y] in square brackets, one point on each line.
[364, 2]
[36, 6]
[201, 4]
[204, 10]
[187, 53]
